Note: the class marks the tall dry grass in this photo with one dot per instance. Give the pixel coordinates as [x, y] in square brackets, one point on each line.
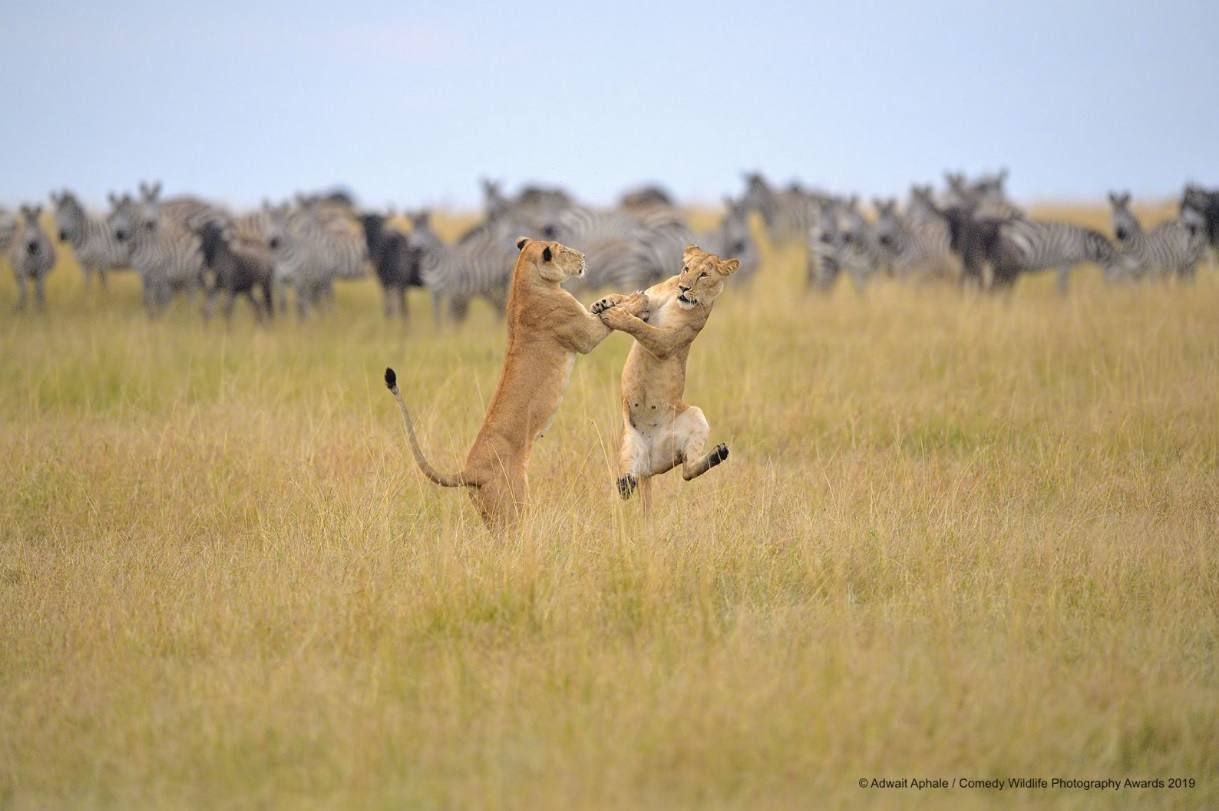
[956, 537]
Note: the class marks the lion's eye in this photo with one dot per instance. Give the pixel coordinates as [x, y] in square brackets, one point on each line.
[702, 275]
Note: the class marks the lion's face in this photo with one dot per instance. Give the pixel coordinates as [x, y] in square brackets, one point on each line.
[702, 277]
[555, 262]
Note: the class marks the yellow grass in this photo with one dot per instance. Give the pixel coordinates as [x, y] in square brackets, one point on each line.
[955, 538]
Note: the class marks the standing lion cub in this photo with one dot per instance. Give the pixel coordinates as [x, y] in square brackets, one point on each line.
[660, 430]
[546, 328]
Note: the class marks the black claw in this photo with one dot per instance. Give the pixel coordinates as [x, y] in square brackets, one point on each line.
[626, 486]
[391, 379]
[718, 455]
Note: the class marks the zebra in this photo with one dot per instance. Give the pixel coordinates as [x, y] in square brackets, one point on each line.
[1202, 206]
[8, 227]
[986, 194]
[529, 211]
[396, 264]
[93, 243]
[645, 198]
[844, 241]
[480, 266]
[312, 246]
[1019, 245]
[167, 254]
[190, 213]
[733, 239]
[1173, 248]
[625, 251]
[915, 247]
[787, 214]
[236, 266]
[31, 255]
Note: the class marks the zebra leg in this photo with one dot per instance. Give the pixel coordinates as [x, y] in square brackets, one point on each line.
[1064, 278]
[498, 299]
[40, 293]
[230, 299]
[403, 312]
[303, 295]
[268, 300]
[459, 308]
[20, 292]
[209, 302]
[438, 309]
[387, 301]
[87, 272]
[102, 279]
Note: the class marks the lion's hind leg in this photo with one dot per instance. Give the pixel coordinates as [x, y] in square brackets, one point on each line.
[633, 461]
[691, 430]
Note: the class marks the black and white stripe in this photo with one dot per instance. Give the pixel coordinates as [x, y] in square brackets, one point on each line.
[916, 243]
[624, 251]
[1173, 248]
[1026, 246]
[93, 243]
[313, 246]
[479, 266]
[733, 239]
[165, 253]
[788, 214]
[31, 255]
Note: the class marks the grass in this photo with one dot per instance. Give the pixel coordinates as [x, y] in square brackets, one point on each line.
[956, 537]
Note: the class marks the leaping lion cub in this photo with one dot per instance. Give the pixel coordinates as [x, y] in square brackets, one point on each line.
[546, 327]
[660, 430]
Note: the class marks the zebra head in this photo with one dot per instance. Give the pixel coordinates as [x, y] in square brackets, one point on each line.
[421, 237]
[759, 196]
[1125, 224]
[278, 226]
[888, 226]
[495, 203]
[123, 217]
[35, 239]
[69, 216]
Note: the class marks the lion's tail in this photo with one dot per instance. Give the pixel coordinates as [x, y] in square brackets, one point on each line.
[442, 479]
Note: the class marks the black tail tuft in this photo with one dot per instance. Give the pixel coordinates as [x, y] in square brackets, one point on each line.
[391, 379]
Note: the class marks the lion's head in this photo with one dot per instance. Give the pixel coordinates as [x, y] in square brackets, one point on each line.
[702, 277]
[554, 261]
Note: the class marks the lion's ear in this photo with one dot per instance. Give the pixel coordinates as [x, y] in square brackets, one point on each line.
[690, 252]
[546, 254]
[730, 267]
[521, 242]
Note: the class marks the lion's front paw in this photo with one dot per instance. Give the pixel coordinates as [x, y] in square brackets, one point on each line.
[636, 303]
[615, 317]
[604, 304]
[626, 486]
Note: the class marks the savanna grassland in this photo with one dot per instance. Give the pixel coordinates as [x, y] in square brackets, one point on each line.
[956, 537]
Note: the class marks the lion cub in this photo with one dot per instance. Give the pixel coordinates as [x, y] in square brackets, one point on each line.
[546, 328]
[660, 430]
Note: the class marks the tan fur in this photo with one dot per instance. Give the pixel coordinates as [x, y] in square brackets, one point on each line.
[547, 327]
[660, 430]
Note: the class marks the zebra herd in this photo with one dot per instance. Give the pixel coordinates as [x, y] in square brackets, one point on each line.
[968, 231]
[972, 232]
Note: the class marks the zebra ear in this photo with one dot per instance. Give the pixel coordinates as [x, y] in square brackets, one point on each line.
[521, 242]
[546, 254]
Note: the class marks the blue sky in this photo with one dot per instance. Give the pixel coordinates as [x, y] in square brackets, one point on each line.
[413, 103]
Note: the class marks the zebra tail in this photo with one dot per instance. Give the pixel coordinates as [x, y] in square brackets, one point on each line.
[442, 479]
